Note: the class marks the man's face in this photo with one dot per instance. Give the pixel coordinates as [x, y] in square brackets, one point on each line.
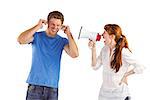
[54, 25]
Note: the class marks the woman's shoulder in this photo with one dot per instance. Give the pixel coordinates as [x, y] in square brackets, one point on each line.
[126, 51]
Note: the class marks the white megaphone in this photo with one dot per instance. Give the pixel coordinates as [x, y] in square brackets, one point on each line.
[90, 35]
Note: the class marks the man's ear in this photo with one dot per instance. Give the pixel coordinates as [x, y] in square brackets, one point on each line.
[63, 27]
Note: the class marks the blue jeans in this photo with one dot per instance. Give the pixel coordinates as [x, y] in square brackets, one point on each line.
[127, 98]
[36, 92]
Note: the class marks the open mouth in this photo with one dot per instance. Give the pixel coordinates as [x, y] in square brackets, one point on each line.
[103, 39]
[54, 31]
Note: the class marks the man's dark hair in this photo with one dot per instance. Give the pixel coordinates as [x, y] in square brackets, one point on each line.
[57, 15]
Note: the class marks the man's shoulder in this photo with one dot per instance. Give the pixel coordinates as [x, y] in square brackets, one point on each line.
[40, 32]
[61, 37]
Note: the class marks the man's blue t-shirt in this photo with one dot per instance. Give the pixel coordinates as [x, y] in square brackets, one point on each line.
[46, 57]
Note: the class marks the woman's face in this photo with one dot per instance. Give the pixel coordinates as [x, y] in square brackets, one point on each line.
[107, 38]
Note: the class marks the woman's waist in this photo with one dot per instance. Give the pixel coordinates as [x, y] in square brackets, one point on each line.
[115, 90]
[111, 81]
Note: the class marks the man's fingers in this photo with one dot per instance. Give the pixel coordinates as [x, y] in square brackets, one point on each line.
[63, 27]
[44, 21]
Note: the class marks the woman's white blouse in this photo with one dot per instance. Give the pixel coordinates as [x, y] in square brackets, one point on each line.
[110, 89]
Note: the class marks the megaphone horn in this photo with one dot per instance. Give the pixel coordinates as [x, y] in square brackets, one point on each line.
[90, 35]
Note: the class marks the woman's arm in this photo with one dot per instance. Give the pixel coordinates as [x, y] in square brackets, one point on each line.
[129, 58]
[125, 77]
[96, 62]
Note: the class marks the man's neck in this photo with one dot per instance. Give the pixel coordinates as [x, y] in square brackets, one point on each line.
[49, 34]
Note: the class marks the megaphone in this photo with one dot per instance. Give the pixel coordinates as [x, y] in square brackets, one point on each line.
[90, 35]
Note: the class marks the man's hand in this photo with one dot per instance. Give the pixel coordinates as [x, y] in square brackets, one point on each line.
[41, 22]
[66, 29]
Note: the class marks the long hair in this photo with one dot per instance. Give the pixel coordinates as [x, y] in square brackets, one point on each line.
[121, 42]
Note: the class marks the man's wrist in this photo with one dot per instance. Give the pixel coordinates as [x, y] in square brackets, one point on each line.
[69, 34]
[37, 27]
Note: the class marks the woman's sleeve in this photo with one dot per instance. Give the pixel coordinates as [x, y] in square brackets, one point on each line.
[131, 60]
[98, 62]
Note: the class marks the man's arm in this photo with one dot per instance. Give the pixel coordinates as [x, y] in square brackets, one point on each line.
[27, 36]
[71, 48]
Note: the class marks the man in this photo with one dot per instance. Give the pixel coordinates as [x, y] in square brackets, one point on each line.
[47, 47]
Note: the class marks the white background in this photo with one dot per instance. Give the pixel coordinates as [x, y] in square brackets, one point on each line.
[77, 79]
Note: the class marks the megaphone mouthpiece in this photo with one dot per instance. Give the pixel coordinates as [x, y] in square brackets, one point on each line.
[98, 37]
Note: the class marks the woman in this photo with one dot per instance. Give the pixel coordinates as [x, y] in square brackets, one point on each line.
[116, 58]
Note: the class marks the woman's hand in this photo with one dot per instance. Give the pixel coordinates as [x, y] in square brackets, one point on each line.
[124, 80]
[91, 44]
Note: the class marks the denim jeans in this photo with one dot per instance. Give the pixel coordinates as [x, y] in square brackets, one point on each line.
[127, 98]
[36, 92]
